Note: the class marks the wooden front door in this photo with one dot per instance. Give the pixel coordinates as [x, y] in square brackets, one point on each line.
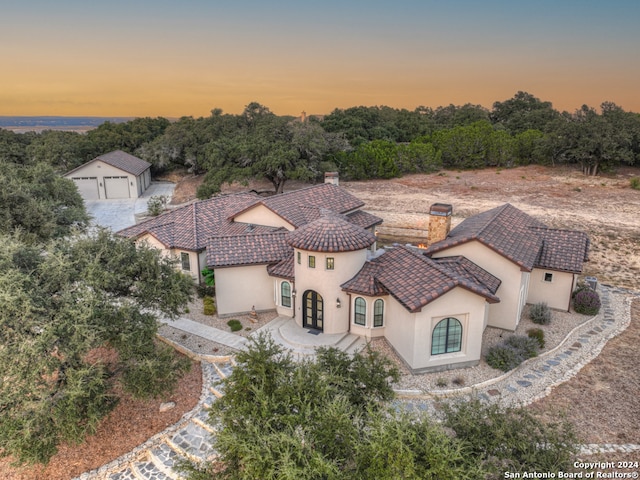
[312, 310]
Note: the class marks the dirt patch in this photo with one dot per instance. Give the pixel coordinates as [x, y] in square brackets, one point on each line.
[131, 423]
[602, 400]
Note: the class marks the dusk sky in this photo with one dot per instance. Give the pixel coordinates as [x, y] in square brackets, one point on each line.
[175, 58]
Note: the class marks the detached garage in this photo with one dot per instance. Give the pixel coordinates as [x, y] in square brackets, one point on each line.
[112, 175]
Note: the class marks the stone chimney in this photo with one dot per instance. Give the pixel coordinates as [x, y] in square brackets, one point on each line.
[331, 177]
[439, 222]
[303, 117]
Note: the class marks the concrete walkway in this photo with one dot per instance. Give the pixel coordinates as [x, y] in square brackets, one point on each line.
[192, 437]
[209, 333]
[117, 214]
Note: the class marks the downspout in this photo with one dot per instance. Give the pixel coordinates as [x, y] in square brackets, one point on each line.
[349, 319]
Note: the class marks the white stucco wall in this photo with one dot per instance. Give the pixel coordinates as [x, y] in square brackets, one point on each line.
[410, 334]
[238, 289]
[327, 284]
[194, 270]
[261, 215]
[556, 293]
[504, 314]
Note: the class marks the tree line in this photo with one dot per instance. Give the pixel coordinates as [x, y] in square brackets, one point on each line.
[359, 142]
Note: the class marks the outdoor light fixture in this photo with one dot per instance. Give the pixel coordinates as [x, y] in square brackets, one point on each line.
[338, 303]
[294, 293]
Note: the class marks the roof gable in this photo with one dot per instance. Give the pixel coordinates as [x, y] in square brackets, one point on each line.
[120, 160]
[412, 279]
[299, 207]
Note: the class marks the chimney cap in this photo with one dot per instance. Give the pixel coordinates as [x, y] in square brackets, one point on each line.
[441, 209]
[330, 174]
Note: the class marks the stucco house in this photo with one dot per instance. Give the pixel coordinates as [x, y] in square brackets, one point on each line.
[311, 255]
[112, 175]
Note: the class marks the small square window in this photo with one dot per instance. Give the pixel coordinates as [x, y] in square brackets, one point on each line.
[312, 261]
[548, 277]
[330, 263]
[299, 258]
[184, 259]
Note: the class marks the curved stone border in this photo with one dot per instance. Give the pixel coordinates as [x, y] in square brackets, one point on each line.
[619, 327]
[207, 380]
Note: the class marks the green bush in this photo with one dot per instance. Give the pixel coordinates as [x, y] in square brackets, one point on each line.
[205, 290]
[156, 205]
[538, 334]
[526, 346]
[234, 325]
[503, 357]
[540, 313]
[152, 376]
[511, 439]
[587, 302]
[512, 352]
[209, 307]
[579, 288]
[635, 183]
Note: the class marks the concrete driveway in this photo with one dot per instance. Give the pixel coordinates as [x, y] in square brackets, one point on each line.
[119, 214]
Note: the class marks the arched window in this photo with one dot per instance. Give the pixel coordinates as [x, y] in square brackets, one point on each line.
[447, 337]
[285, 294]
[360, 312]
[378, 313]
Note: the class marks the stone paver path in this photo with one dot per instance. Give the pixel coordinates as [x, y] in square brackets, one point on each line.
[192, 437]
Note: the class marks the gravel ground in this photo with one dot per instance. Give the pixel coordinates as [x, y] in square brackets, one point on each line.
[561, 324]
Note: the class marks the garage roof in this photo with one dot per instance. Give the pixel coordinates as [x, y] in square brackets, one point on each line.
[121, 160]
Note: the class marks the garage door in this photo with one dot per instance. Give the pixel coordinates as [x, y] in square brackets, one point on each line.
[88, 187]
[116, 187]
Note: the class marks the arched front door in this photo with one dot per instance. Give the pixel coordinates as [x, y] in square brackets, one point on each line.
[312, 310]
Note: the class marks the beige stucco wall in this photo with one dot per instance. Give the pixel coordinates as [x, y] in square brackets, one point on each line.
[327, 284]
[100, 169]
[556, 294]
[238, 289]
[368, 330]
[512, 290]
[410, 334]
[261, 215]
[194, 271]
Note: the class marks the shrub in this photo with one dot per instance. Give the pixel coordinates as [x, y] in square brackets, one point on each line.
[587, 302]
[205, 291]
[209, 307]
[156, 205]
[579, 288]
[540, 313]
[538, 334]
[459, 381]
[635, 183]
[512, 352]
[527, 347]
[504, 438]
[234, 325]
[441, 382]
[503, 357]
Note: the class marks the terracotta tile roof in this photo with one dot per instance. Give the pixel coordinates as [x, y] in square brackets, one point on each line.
[504, 229]
[191, 226]
[331, 233]
[412, 279]
[465, 268]
[283, 269]
[252, 249]
[563, 250]
[299, 207]
[363, 219]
